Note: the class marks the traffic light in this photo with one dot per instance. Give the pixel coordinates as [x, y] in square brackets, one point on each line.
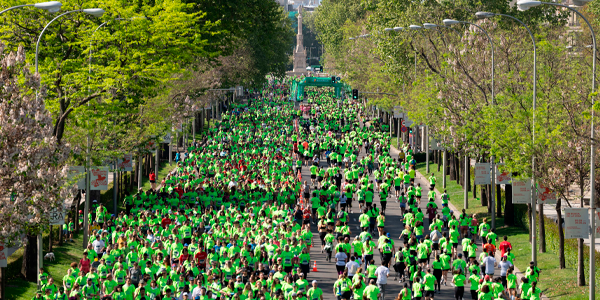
[332, 79]
[355, 94]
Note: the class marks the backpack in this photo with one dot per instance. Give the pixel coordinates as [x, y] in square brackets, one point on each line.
[412, 260]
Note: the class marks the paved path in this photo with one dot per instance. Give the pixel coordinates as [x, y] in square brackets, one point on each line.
[327, 274]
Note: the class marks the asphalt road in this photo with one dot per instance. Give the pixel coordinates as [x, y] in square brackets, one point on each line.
[327, 274]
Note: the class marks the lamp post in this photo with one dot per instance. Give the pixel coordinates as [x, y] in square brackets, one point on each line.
[51, 6]
[449, 22]
[484, 15]
[525, 5]
[97, 12]
[425, 136]
[88, 104]
[466, 202]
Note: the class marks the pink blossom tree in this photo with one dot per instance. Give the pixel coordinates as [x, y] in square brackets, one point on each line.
[33, 171]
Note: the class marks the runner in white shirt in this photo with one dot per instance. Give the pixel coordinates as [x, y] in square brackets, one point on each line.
[382, 273]
[352, 267]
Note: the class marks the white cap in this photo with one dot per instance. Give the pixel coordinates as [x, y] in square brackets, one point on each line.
[314, 281]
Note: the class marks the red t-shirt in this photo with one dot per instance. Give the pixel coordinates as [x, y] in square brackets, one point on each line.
[165, 222]
[504, 246]
[201, 258]
[306, 213]
[152, 176]
[85, 265]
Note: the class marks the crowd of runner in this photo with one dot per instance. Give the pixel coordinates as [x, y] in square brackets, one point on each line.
[235, 219]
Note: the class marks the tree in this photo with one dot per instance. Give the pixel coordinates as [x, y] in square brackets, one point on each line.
[33, 174]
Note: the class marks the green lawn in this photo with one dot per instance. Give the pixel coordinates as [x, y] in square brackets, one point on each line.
[19, 289]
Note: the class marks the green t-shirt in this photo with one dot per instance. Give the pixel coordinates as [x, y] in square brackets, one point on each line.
[459, 280]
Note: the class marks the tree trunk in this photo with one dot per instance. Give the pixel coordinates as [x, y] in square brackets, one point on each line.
[561, 236]
[447, 171]
[76, 219]
[50, 238]
[3, 283]
[542, 233]
[499, 201]
[452, 166]
[484, 198]
[580, 264]
[468, 175]
[580, 259]
[439, 160]
[459, 170]
[30, 257]
[509, 208]
[457, 167]
[60, 234]
[488, 195]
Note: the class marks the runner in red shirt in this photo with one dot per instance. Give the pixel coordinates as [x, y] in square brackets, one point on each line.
[165, 222]
[504, 246]
[306, 217]
[200, 258]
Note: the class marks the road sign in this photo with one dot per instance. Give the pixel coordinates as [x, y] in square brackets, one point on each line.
[521, 191]
[57, 217]
[482, 173]
[545, 195]
[398, 112]
[577, 223]
[403, 129]
[337, 79]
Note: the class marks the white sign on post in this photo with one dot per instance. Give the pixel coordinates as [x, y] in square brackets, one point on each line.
[78, 171]
[57, 217]
[545, 195]
[434, 144]
[521, 191]
[398, 112]
[126, 163]
[167, 138]
[502, 177]
[482, 173]
[99, 178]
[3, 256]
[577, 223]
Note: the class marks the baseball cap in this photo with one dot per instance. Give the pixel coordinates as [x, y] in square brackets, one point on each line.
[314, 281]
[487, 277]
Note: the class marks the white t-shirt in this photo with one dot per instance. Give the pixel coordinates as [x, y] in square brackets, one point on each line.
[341, 258]
[382, 273]
[489, 262]
[98, 245]
[352, 267]
[504, 265]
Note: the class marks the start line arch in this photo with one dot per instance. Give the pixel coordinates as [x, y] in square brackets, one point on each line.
[298, 86]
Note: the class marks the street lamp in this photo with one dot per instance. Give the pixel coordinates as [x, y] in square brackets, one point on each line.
[485, 15]
[449, 22]
[88, 104]
[96, 12]
[52, 6]
[525, 5]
